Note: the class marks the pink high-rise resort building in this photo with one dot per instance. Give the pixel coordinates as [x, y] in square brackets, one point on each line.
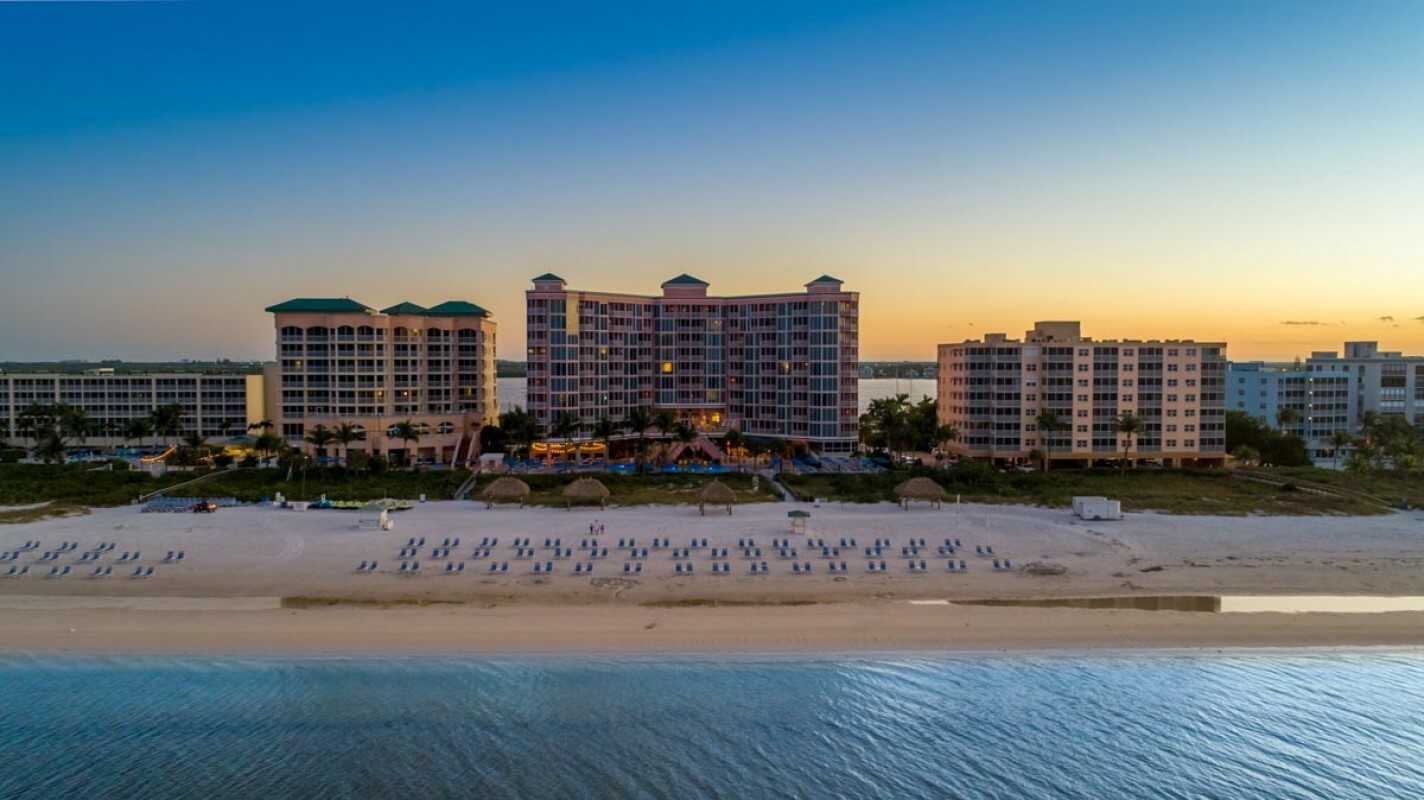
[773, 365]
[994, 390]
[341, 361]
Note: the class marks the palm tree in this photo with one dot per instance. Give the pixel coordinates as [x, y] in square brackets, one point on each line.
[196, 443]
[345, 434]
[319, 437]
[942, 435]
[1247, 454]
[1049, 423]
[1358, 462]
[566, 426]
[684, 433]
[637, 422]
[665, 420]
[407, 433]
[49, 445]
[1129, 425]
[733, 440]
[167, 421]
[139, 428]
[74, 422]
[1286, 417]
[262, 425]
[603, 431]
[1339, 440]
[34, 418]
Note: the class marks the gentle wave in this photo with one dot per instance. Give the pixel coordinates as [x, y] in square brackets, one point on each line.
[1254, 725]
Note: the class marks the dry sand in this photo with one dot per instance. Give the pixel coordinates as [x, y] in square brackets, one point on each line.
[252, 556]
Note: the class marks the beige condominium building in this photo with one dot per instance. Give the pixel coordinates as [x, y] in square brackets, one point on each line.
[772, 365]
[993, 391]
[339, 361]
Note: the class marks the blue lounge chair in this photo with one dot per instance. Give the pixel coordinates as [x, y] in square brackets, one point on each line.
[638, 567]
[137, 573]
[493, 567]
[1007, 565]
[359, 567]
[373, 566]
[414, 567]
[504, 566]
[147, 572]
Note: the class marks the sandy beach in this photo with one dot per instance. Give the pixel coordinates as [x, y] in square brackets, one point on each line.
[266, 580]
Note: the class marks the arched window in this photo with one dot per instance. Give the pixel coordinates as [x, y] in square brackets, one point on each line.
[434, 333]
[291, 330]
[469, 335]
[345, 330]
[316, 330]
[447, 427]
[365, 330]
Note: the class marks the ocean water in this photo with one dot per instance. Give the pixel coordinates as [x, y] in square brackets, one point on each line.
[1327, 725]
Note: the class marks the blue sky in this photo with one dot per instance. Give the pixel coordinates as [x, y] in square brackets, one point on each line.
[1205, 169]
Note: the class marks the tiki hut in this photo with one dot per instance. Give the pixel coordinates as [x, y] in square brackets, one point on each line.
[586, 490]
[505, 490]
[715, 493]
[919, 489]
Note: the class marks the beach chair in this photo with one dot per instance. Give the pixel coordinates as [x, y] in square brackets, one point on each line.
[493, 567]
[1007, 565]
[359, 567]
[410, 542]
[538, 568]
[831, 567]
[988, 548]
[420, 542]
[450, 568]
[796, 568]
[962, 566]
[415, 567]
[137, 573]
[404, 568]
[578, 569]
[627, 568]
[494, 542]
[638, 568]
[548, 566]
[558, 542]
[455, 543]
[978, 549]
[677, 568]
[24, 570]
[764, 568]
[997, 566]
[373, 566]
[98, 571]
[148, 572]
[504, 566]
[588, 568]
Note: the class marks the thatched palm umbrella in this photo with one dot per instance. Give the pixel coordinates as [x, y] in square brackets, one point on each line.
[505, 490]
[919, 489]
[586, 490]
[715, 493]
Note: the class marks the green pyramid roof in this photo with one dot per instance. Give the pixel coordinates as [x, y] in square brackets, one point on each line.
[549, 276]
[319, 305]
[685, 280]
[406, 307]
[826, 279]
[457, 308]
